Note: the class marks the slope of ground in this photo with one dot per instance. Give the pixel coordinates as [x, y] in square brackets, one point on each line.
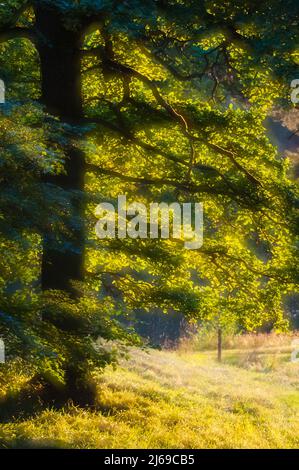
[163, 399]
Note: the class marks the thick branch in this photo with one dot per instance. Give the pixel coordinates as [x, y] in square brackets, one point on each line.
[16, 33]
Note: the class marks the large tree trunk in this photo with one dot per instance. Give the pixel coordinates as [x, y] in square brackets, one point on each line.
[59, 51]
[61, 93]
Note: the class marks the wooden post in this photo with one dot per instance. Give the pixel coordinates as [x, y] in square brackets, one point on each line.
[219, 349]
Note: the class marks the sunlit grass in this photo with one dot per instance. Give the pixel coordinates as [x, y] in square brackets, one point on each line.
[178, 400]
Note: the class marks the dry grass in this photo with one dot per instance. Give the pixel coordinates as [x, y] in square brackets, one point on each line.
[203, 340]
[167, 399]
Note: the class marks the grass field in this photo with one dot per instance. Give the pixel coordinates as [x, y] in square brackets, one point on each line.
[165, 399]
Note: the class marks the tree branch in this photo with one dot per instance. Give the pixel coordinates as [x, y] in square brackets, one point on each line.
[188, 187]
[17, 33]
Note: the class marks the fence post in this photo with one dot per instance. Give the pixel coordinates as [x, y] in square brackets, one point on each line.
[219, 345]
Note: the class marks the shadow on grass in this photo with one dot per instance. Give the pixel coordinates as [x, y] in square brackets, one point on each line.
[25, 404]
[23, 443]
[33, 398]
[21, 404]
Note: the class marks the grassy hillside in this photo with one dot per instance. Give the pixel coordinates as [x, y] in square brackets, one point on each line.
[164, 399]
